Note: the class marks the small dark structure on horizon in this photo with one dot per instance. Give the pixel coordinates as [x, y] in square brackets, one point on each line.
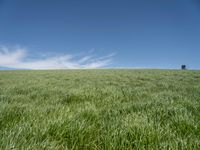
[183, 67]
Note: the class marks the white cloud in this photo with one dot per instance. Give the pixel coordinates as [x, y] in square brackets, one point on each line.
[19, 58]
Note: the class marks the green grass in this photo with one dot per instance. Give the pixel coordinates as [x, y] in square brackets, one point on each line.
[100, 109]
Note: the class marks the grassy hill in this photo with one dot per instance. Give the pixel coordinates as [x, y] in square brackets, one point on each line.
[100, 109]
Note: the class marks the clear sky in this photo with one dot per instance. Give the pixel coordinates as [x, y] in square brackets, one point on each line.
[48, 34]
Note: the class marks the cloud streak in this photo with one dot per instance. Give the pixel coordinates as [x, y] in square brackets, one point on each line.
[19, 58]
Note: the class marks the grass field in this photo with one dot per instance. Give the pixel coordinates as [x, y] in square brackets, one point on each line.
[100, 109]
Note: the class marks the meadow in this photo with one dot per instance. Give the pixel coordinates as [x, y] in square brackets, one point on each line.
[100, 109]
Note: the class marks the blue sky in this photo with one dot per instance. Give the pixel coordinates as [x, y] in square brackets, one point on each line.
[51, 34]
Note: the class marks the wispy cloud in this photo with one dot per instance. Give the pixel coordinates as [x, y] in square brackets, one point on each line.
[19, 58]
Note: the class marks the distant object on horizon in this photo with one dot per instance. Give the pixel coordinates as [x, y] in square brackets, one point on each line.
[183, 67]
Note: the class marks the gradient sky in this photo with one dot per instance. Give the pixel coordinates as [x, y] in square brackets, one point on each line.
[47, 34]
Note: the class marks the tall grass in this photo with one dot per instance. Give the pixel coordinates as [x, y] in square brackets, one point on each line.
[100, 109]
